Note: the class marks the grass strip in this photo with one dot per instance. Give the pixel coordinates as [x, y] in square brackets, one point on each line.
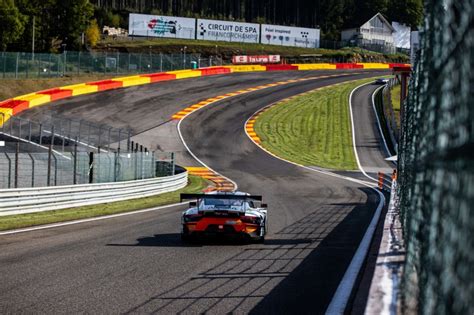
[196, 184]
[313, 129]
[395, 95]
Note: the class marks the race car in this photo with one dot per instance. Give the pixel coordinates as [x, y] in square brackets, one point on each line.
[226, 214]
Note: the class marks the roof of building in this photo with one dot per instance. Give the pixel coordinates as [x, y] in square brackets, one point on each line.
[380, 15]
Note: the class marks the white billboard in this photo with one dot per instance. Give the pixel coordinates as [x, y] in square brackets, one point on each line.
[401, 37]
[161, 26]
[228, 31]
[290, 36]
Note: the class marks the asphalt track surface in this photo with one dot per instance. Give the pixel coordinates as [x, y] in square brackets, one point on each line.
[369, 142]
[137, 263]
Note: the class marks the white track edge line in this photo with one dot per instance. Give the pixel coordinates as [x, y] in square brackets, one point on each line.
[353, 133]
[339, 301]
[54, 225]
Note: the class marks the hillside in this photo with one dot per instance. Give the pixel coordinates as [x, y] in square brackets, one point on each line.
[227, 49]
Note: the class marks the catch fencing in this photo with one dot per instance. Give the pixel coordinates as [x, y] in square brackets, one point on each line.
[53, 168]
[64, 133]
[389, 114]
[436, 165]
[21, 65]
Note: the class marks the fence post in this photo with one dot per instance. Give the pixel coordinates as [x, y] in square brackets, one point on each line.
[128, 140]
[116, 157]
[9, 170]
[91, 167]
[55, 169]
[50, 151]
[17, 153]
[74, 175]
[16, 67]
[32, 170]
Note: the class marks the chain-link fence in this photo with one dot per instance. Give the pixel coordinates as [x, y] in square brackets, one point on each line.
[389, 114]
[436, 165]
[39, 169]
[73, 63]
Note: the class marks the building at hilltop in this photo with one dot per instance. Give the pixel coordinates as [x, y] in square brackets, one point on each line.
[377, 31]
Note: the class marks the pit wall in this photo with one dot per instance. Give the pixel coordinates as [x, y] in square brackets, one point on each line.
[16, 105]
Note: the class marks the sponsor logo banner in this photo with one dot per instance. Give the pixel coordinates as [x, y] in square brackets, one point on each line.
[256, 59]
[290, 36]
[228, 31]
[161, 26]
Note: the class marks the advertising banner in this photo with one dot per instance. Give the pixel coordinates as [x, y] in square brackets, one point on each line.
[401, 37]
[228, 31]
[290, 36]
[161, 26]
[256, 59]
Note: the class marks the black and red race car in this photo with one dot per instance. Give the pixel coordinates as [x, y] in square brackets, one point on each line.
[224, 214]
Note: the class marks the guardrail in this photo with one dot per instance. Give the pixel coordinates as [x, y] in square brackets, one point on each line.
[28, 200]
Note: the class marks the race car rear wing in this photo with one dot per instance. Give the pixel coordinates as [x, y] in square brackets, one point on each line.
[220, 196]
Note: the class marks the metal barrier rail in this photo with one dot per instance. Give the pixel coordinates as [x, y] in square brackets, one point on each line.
[28, 200]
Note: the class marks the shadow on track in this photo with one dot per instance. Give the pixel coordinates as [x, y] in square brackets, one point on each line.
[297, 271]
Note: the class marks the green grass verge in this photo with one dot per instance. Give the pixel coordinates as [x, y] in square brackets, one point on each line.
[313, 129]
[395, 95]
[196, 184]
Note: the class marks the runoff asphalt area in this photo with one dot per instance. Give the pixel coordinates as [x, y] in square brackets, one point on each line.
[138, 264]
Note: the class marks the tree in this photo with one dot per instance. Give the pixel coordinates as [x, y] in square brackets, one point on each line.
[12, 21]
[72, 19]
[408, 12]
[93, 33]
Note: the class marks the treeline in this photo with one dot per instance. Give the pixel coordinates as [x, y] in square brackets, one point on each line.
[57, 24]
[71, 24]
[330, 15]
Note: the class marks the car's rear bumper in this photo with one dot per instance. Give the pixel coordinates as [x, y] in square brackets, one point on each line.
[225, 231]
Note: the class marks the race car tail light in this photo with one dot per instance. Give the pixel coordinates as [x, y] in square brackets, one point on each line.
[252, 220]
[192, 218]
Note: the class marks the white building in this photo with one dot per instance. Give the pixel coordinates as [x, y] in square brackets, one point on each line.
[376, 31]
